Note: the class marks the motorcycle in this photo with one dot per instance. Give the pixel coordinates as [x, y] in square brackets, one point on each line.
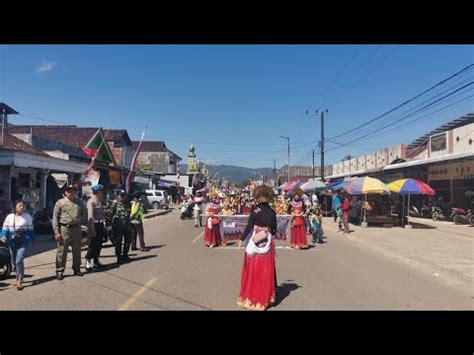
[439, 214]
[186, 211]
[5, 261]
[467, 218]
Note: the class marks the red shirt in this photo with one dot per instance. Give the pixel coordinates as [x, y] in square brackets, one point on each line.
[345, 207]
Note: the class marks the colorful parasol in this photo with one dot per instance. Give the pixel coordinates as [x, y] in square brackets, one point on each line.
[311, 186]
[366, 186]
[410, 187]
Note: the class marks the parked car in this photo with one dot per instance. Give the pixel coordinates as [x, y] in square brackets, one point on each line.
[157, 199]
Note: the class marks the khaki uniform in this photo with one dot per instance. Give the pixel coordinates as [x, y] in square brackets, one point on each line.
[67, 219]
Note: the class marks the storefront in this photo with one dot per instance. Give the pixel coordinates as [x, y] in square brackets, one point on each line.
[24, 175]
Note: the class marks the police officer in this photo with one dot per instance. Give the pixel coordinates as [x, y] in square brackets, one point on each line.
[95, 227]
[121, 228]
[68, 215]
[136, 216]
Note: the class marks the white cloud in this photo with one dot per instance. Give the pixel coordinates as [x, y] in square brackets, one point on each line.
[45, 66]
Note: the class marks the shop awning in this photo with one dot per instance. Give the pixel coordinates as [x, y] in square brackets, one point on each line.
[25, 160]
[453, 156]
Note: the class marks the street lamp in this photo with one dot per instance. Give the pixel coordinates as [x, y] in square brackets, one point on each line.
[288, 139]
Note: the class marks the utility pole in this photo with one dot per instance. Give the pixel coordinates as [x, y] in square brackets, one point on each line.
[3, 124]
[321, 142]
[288, 139]
[313, 164]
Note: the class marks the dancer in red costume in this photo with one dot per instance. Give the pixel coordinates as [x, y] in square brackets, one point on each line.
[212, 236]
[258, 284]
[297, 210]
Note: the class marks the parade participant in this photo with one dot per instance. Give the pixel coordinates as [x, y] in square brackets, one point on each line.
[258, 283]
[68, 215]
[136, 217]
[121, 228]
[95, 227]
[212, 237]
[18, 231]
[297, 210]
[316, 220]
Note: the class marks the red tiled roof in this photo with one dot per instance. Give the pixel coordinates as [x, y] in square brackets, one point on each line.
[68, 134]
[15, 144]
[151, 146]
[154, 146]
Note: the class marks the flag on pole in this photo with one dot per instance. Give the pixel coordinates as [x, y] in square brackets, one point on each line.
[98, 149]
[133, 165]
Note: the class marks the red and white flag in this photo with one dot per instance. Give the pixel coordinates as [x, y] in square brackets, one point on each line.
[134, 165]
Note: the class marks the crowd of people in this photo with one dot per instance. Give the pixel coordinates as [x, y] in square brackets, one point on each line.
[72, 218]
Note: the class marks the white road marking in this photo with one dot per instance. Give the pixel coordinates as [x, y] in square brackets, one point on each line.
[197, 238]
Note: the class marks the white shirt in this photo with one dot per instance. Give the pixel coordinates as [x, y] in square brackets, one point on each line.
[24, 222]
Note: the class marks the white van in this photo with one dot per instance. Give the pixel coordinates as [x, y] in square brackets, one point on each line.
[157, 199]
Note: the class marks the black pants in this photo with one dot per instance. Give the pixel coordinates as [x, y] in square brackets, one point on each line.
[122, 241]
[95, 243]
[335, 215]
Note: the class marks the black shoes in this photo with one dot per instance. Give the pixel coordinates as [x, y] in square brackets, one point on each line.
[134, 248]
[59, 276]
[78, 273]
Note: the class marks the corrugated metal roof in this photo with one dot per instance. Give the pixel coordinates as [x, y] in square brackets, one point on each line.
[452, 156]
[458, 122]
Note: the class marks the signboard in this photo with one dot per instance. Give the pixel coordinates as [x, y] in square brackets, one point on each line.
[232, 227]
[438, 142]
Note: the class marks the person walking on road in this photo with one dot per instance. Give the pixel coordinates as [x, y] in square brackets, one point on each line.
[345, 214]
[336, 200]
[316, 220]
[95, 227]
[136, 216]
[18, 231]
[121, 228]
[68, 215]
[259, 283]
[297, 210]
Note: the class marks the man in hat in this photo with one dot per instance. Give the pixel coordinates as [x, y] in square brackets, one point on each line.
[95, 227]
[68, 215]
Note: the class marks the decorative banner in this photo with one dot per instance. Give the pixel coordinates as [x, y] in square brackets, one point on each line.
[232, 227]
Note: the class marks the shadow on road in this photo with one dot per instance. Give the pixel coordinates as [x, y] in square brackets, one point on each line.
[284, 291]
[155, 246]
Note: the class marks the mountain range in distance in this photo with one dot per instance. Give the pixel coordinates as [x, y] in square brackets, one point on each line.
[235, 174]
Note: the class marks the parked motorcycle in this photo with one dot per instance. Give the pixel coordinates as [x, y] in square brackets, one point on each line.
[439, 214]
[425, 212]
[5, 261]
[467, 218]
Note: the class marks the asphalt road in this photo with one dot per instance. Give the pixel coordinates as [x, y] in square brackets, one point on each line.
[179, 273]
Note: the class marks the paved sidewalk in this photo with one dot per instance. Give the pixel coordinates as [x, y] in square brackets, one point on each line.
[442, 249]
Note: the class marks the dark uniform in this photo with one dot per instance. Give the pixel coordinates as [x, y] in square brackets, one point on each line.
[96, 230]
[67, 219]
[121, 229]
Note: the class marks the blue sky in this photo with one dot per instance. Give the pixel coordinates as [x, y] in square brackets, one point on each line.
[242, 95]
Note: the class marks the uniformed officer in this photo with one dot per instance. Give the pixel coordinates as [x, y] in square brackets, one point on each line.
[121, 228]
[136, 215]
[68, 215]
[95, 227]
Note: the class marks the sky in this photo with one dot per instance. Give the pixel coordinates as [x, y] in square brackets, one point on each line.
[232, 101]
